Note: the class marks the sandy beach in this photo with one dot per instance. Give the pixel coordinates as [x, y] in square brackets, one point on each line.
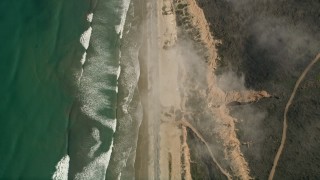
[163, 151]
[162, 137]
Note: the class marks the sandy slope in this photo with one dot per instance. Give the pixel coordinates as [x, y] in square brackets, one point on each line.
[164, 100]
[217, 99]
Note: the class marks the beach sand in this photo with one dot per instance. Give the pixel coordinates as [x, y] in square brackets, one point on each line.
[159, 135]
[163, 152]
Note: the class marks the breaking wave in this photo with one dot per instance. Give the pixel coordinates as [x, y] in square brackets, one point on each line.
[124, 11]
[62, 169]
[98, 84]
[96, 169]
[129, 108]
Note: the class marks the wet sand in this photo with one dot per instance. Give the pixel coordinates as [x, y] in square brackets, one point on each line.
[146, 165]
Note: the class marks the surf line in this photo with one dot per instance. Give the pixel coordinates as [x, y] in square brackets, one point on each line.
[187, 124]
[85, 40]
[285, 124]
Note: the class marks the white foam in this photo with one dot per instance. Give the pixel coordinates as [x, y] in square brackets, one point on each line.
[92, 91]
[96, 136]
[85, 38]
[118, 72]
[90, 17]
[62, 169]
[97, 66]
[128, 99]
[112, 70]
[83, 59]
[91, 112]
[80, 76]
[124, 10]
[97, 168]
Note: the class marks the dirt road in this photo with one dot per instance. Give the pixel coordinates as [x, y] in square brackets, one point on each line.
[285, 125]
[194, 130]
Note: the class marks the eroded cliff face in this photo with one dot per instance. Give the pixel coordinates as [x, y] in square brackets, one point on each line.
[194, 25]
[271, 42]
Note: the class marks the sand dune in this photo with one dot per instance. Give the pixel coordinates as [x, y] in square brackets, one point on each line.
[167, 76]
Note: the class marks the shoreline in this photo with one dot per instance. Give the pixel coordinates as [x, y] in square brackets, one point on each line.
[145, 164]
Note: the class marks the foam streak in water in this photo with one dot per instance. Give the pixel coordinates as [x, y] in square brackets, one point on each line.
[90, 17]
[83, 59]
[96, 137]
[97, 168]
[85, 40]
[85, 37]
[124, 10]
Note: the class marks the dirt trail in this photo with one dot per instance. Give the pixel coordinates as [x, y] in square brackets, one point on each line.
[285, 125]
[187, 124]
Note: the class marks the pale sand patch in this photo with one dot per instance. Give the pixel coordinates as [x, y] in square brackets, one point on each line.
[169, 96]
[169, 89]
[186, 154]
[170, 151]
[199, 21]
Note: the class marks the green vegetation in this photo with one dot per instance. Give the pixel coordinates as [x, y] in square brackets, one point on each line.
[271, 42]
[266, 40]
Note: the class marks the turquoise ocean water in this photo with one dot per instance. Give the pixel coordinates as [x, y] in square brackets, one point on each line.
[56, 113]
[39, 44]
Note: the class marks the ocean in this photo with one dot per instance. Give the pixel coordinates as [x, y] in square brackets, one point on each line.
[69, 74]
